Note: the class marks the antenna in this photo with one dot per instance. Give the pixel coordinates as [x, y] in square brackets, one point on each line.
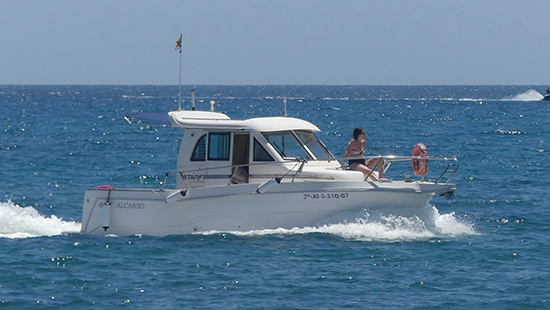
[284, 101]
[193, 99]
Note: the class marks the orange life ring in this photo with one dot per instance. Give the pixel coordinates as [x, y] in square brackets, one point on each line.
[420, 166]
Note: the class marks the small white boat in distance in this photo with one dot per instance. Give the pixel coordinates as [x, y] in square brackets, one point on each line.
[259, 173]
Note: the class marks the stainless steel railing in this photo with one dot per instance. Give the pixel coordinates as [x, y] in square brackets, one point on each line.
[450, 167]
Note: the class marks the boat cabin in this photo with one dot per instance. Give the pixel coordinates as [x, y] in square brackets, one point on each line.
[216, 150]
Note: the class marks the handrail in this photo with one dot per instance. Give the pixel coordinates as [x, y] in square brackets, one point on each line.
[449, 171]
[372, 170]
[297, 161]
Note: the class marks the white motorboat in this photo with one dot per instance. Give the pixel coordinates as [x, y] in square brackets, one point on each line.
[259, 173]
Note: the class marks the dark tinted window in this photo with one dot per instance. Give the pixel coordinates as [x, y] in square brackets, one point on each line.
[199, 153]
[260, 153]
[218, 146]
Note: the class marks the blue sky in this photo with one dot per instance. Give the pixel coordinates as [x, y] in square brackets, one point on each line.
[256, 42]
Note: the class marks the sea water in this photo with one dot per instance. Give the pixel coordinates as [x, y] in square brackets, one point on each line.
[486, 249]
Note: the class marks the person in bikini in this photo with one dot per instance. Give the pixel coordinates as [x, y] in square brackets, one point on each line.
[356, 148]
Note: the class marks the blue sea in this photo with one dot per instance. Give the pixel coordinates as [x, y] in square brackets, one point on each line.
[487, 249]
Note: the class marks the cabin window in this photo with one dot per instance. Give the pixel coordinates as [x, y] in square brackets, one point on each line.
[260, 153]
[314, 145]
[286, 145]
[199, 153]
[218, 146]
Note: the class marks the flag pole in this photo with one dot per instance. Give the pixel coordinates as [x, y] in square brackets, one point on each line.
[178, 48]
[179, 109]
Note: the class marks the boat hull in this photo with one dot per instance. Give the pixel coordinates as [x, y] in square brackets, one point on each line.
[546, 98]
[242, 208]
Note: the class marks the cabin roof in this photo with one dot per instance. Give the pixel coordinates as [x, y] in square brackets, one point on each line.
[215, 120]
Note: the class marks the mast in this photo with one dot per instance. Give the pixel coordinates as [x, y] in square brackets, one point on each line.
[178, 48]
[179, 106]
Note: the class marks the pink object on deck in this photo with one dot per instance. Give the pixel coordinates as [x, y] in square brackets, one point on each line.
[105, 187]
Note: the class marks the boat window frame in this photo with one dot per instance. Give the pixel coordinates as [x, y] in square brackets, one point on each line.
[278, 148]
[201, 143]
[222, 147]
[259, 146]
[327, 155]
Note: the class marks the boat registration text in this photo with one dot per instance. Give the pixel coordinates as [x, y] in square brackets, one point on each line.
[326, 196]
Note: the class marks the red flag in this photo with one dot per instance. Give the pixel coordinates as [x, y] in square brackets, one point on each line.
[178, 44]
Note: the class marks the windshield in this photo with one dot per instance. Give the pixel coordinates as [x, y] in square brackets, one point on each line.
[314, 145]
[286, 145]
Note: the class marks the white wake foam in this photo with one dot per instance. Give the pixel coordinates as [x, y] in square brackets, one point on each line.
[24, 222]
[376, 226]
[530, 95]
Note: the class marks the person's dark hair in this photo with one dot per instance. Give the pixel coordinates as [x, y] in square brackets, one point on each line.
[357, 131]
